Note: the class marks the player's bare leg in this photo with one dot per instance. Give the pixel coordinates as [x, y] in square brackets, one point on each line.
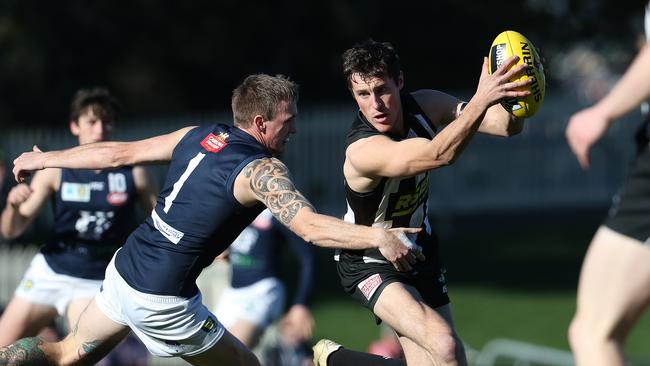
[430, 336]
[248, 333]
[228, 351]
[75, 308]
[613, 292]
[90, 340]
[23, 318]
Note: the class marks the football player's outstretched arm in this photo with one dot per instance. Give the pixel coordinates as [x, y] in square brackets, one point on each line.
[24, 202]
[100, 155]
[589, 125]
[379, 156]
[267, 180]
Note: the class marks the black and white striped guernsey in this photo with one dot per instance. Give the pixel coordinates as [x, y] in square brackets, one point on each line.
[395, 202]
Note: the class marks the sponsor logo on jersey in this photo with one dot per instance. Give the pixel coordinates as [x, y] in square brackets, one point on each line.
[209, 325]
[117, 198]
[370, 285]
[75, 192]
[213, 143]
[165, 229]
[443, 280]
[96, 186]
[28, 284]
[406, 203]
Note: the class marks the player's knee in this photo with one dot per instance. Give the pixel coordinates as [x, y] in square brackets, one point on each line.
[585, 334]
[575, 333]
[445, 347]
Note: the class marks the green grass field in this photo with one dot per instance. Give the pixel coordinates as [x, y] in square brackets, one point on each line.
[481, 314]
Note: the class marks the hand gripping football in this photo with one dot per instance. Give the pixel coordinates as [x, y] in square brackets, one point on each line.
[507, 44]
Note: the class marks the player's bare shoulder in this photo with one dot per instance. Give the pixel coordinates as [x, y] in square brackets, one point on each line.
[360, 146]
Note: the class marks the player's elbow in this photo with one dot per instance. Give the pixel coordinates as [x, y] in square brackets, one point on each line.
[8, 234]
[11, 231]
[511, 128]
[514, 127]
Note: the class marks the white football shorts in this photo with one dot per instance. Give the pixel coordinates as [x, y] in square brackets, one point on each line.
[41, 285]
[260, 303]
[168, 326]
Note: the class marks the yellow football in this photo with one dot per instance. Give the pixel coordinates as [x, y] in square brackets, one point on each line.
[506, 45]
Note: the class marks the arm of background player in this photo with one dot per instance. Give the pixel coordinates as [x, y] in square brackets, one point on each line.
[379, 156]
[267, 180]
[101, 155]
[24, 202]
[146, 186]
[297, 324]
[304, 252]
[631, 90]
[590, 124]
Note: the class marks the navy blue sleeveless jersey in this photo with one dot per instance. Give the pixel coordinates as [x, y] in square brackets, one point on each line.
[196, 216]
[93, 215]
[256, 255]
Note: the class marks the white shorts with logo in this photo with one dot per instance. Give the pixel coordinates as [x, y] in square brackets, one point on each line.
[167, 325]
[260, 303]
[41, 285]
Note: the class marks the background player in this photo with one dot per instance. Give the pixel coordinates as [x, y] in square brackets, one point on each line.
[93, 212]
[256, 296]
[395, 140]
[219, 179]
[614, 286]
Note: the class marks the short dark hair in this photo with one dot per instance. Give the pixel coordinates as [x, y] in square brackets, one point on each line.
[371, 59]
[99, 99]
[261, 94]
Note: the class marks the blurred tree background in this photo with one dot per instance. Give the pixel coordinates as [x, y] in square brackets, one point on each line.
[175, 57]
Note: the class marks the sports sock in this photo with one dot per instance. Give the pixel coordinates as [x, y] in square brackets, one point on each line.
[346, 357]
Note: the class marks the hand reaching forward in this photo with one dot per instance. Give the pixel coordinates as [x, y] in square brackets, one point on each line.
[19, 194]
[26, 163]
[297, 325]
[585, 128]
[398, 249]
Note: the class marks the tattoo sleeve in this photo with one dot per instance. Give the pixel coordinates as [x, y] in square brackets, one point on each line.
[270, 180]
[26, 351]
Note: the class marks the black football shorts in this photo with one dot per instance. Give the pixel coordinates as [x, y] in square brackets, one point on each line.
[630, 211]
[365, 281]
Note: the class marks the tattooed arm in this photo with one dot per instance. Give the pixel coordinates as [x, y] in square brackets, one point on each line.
[268, 181]
[26, 351]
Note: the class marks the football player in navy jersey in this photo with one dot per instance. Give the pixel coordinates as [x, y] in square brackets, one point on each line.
[93, 210]
[220, 178]
[397, 138]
